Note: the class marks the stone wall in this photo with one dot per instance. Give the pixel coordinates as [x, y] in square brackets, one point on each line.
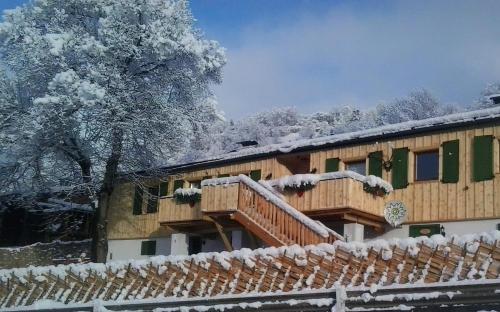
[42, 254]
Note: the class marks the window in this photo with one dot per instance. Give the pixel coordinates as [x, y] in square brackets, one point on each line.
[195, 184]
[332, 165]
[255, 175]
[148, 248]
[178, 184]
[427, 166]
[224, 175]
[163, 189]
[357, 166]
[424, 230]
[152, 206]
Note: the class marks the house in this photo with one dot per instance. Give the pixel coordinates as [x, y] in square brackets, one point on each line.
[444, 171]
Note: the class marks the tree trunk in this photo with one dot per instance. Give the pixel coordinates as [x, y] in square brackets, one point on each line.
[99, 233]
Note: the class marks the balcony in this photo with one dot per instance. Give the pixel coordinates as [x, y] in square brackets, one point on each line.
[173, 212]
[338, 194]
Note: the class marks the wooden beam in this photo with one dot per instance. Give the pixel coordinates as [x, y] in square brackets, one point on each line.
[257, 229]
[225, 239]
[362, 220]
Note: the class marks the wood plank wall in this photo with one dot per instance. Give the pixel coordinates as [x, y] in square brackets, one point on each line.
[220, 197]
[433, 201]
[339, 193]
[122, 224]
[172, 211]
[269, 167]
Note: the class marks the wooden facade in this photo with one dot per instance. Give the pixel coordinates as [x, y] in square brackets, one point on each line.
[433, 201]
[426, 201]
[123, 224]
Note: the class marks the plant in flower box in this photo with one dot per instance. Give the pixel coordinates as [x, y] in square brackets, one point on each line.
[187, 196]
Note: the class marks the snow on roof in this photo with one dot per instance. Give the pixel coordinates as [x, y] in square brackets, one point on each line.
[386, 130]
[411, 261]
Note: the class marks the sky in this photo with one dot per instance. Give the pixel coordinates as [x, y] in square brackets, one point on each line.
[316, 54]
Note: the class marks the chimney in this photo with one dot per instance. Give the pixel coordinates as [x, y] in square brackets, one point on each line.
[248, 143]
[495, 98]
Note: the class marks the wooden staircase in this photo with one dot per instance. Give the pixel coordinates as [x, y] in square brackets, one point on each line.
[273, 220]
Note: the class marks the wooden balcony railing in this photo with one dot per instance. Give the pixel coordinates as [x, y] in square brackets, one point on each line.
[337, 192]
[173, 212]
[262, 212]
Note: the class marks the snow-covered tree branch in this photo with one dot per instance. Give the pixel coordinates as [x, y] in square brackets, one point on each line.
[107, 85]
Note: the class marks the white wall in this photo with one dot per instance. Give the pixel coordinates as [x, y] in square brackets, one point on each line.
[131, 248]
[450, 228]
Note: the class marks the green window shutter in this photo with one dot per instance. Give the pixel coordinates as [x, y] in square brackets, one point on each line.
[137, 209]
[152, 200]
[332, 164]
[450, 161]
[225, 175]
[424, 230]
[400, 168]
[148, 248]
[178, 184]
[483, 158]
[163, 189]
[255, 175]
[375, 164]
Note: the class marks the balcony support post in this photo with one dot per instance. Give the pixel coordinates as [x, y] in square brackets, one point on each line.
[354, 232]
[223, 236]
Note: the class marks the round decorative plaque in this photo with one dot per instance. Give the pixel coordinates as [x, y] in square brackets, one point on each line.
[395, 213]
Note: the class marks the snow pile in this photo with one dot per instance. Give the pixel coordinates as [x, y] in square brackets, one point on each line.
[220, 181]
[313, 179]
[187, 191]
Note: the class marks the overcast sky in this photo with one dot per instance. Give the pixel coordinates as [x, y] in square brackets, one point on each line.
[314, 54]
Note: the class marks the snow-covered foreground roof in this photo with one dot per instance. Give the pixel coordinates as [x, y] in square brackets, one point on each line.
[284, 269]
[483, 115]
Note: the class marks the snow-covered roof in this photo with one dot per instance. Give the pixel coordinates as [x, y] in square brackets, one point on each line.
[382, 132]
[411, 261]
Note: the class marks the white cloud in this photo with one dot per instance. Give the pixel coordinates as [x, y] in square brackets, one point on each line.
[361, 57]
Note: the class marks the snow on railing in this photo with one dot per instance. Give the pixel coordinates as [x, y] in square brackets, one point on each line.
[312, 179]
[320, 229]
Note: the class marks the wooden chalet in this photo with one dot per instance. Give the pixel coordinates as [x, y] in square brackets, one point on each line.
[444, 170]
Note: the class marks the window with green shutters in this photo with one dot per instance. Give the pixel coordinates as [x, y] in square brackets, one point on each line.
[375, 163]
[400, 168]
[163, 189]
[255, 175]
[424, 230]
[137, 209]
[482, 159]
[450, 161]
[152, 206]
[332, 164]
[148, 248]
[178, 184]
